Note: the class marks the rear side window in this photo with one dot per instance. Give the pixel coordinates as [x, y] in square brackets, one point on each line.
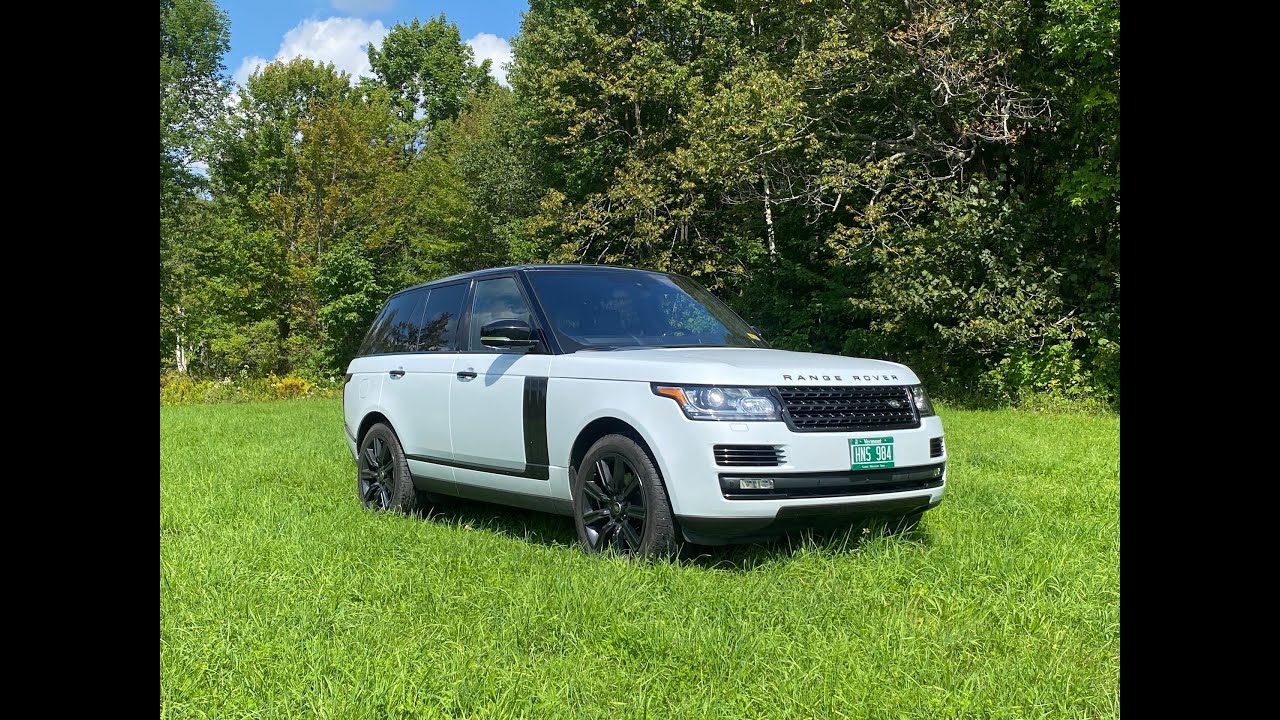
[397, 327]
[440, 321]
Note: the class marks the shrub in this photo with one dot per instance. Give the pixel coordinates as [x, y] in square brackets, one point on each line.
[181, 389]
[290, 386]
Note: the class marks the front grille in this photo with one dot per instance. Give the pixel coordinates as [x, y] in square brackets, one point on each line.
[935, 447]
[749, 455]
[844, 409]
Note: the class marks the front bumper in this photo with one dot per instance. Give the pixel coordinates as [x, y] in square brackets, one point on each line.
[813, 488]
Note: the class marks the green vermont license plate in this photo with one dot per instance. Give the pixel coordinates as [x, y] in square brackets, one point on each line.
[870, 453]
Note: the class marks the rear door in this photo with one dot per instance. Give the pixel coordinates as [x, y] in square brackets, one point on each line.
[497, 399]
[415, 393]
[381, 354]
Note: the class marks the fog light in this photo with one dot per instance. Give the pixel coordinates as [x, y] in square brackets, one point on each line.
[756, 483]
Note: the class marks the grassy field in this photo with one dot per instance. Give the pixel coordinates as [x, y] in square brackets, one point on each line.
[280, 597]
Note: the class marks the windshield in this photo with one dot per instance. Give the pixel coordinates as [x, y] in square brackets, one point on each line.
[608, 309]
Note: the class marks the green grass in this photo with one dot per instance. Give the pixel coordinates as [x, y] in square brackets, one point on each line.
[280, 597]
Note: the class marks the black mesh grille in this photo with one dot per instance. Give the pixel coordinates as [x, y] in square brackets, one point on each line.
[749, 455]
[935, 447]
[835, 409]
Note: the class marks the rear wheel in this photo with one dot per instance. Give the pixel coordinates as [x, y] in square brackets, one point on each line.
[383, 481]
[620, 502]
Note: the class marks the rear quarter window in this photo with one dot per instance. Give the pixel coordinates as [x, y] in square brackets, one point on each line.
[440, 321]
[398, 325]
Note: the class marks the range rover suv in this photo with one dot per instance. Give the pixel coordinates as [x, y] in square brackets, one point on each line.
[635, 402]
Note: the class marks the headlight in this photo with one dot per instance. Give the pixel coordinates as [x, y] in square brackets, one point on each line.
[707, 402]
[922, 401]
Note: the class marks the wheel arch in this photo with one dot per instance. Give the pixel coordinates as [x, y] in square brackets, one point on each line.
[370, 419]
[608, 425]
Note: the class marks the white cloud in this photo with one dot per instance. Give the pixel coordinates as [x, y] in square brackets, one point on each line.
[247, 66]
[343, 41]
[488, 46]
[363, 5]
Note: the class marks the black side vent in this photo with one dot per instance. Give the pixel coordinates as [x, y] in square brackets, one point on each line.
[749, 455]
[935, 447]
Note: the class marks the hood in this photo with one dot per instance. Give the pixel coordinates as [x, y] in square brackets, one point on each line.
[730, 366]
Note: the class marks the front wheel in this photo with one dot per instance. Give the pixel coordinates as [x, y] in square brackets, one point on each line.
[383, 481]
[620, 503]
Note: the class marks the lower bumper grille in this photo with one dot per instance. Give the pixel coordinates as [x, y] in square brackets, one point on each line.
[831, 484]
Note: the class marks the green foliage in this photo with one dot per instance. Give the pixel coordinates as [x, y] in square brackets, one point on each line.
[280, 597]
[874, 180]
[194, 34]
[429, 70]
[936, 183]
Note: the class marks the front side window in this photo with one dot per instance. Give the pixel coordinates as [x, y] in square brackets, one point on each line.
[397, 327]
[440, 321]
[496, 299]
[608, 309]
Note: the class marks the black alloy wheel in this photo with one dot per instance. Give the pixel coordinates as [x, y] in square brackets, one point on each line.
[383, 481]
[619, 500]
[613, 511]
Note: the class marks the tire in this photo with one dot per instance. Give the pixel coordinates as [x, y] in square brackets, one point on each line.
[631, 515]
[383, 481]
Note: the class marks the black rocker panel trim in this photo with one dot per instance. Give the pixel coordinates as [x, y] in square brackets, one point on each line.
[536, 455]
[542, 503]
[433, 484]
[533, 472]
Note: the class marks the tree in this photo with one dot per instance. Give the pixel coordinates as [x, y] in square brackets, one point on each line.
[429, 70]
[873, 177]
[194, 35]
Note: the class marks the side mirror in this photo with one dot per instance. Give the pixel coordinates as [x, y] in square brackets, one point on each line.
[507, 333]
[757, 331]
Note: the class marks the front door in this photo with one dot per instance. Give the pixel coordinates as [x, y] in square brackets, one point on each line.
[498, 400]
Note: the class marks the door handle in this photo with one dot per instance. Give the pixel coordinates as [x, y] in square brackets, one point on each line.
[466, 374]
[397, 373]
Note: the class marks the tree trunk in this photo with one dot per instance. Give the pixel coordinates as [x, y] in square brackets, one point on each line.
[179, 352]
[768, 223]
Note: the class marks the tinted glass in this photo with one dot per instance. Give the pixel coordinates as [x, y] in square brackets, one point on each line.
[606, 309]
[440, 321]
[396, 329]
[496, 299]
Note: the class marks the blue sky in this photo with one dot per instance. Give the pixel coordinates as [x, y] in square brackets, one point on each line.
[339, 31]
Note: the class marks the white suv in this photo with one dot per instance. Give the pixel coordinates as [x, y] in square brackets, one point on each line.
[634, 401]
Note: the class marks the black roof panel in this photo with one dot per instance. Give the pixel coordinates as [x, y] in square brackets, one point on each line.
[513, 268]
